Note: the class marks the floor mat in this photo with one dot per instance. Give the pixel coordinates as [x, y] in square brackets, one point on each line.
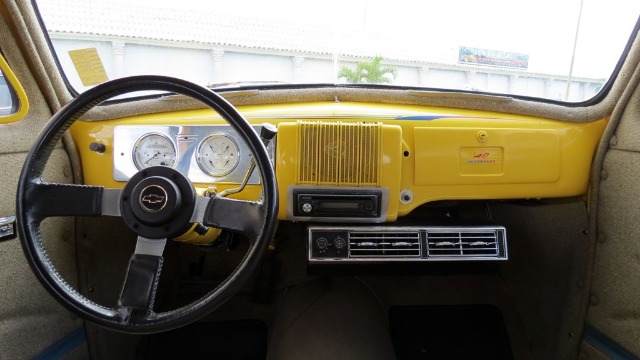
[237, 340]
[449, 332]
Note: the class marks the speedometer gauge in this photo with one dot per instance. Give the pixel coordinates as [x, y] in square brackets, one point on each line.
[153, 150]
[218, 155]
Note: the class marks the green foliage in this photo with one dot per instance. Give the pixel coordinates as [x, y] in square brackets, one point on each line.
[369, 72]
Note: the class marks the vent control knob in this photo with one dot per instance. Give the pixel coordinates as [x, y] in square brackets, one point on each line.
[306, 207]
[339, 243]
[97, 147]
[322, 243]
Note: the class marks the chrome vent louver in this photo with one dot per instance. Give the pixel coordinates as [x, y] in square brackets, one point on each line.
[384, 244]
[464, 242]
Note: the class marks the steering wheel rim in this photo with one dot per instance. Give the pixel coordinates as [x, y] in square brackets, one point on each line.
[36, 200]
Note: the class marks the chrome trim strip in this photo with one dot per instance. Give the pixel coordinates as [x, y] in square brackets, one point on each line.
[199, 209]
[154, 247]
[111, 202]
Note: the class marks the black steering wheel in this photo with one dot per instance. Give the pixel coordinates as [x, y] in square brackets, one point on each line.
[157, 203]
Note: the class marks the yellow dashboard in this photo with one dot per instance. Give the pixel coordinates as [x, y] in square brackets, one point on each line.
[405, 156]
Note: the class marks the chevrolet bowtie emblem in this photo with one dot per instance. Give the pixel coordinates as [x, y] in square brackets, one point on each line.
[152, 199]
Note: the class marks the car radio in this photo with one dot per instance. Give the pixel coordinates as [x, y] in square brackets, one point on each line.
[337, 204]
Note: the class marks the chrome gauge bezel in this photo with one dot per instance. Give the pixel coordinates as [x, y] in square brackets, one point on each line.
[138, 144]
[201, 160]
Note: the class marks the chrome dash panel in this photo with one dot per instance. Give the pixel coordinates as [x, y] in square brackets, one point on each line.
[186, 140]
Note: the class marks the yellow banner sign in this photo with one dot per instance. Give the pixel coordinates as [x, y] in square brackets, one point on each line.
[89, 66]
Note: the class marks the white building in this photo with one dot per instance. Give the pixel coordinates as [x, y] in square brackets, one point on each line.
[140, 42]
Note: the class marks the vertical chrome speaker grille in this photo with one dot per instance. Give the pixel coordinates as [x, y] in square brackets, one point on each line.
[339, 154]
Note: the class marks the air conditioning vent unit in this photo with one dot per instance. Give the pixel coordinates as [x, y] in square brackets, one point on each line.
[401, 244]
[389, 243]
[464, 243]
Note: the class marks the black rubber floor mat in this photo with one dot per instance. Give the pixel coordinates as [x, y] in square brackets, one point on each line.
[449, 332]
[237, 340]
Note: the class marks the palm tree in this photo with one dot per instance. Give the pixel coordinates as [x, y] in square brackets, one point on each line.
[369, 72]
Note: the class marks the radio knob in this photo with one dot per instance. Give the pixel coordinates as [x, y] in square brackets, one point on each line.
[322, 243]
[306, 207]
[339, 243]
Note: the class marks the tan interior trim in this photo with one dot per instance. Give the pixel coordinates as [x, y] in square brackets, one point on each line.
[632, 81]
[32, 45]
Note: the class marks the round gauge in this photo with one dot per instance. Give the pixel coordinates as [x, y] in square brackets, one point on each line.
[218, 155]
[154, 150]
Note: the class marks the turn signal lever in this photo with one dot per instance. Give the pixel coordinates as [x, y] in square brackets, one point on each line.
[267, 133]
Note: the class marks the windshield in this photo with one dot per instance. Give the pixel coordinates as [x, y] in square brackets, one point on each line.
[559, 50]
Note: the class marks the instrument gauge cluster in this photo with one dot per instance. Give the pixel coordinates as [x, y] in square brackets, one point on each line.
[154, 149]
[203, 153]
[218, 155]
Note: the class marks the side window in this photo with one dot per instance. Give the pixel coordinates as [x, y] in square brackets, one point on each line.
[13, 99]
[8, 100]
